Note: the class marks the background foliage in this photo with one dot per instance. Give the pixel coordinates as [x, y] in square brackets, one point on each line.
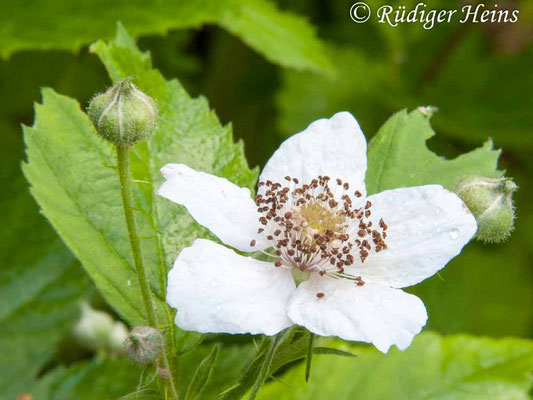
[263, 67]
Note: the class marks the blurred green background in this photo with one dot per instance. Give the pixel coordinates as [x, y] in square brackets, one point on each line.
[478, 75]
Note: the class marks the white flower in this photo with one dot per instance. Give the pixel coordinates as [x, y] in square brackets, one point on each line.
[353, 251]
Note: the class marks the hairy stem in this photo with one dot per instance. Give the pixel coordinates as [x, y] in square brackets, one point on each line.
[125, 189]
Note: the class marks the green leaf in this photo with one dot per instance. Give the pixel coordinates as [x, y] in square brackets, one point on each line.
[265, 368]
[309, 356]
[231, 360]
[41, 284]
[434, 367]
[101, 378]
[143, 394]
[398, 157]
[251, 374]
[38, 307]
[69, 187]
[281, 37]
[202, 375]
[335, 352]
[273, 353]
[72, 177]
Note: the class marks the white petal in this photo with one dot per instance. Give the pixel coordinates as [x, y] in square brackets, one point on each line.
[334, 147]
[427, 227]
[371, 313]
[224, 208]
[216, 290]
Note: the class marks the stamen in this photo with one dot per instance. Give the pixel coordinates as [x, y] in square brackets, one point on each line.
[359, 281]
[315, 227]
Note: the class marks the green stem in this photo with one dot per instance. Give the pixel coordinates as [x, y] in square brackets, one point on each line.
[123, 158]
[171, 371]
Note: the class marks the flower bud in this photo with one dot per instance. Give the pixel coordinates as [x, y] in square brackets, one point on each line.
[97, 331]
[491, 202]
[118, 334]
[123, 114]
[144, 344]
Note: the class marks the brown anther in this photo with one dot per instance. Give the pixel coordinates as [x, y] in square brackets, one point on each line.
[288, 178]
[361, 233]
[277, 263]
[358, 193]
[320, 295]
[252, 243]
[368, 205]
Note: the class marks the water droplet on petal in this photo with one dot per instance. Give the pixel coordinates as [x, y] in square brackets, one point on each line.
[454, 234]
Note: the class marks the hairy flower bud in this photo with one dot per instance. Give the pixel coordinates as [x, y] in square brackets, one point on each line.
[490, 200]
[123, 114]
[144, 344]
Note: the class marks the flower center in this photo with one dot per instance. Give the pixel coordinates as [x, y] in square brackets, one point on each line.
[315, 226]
